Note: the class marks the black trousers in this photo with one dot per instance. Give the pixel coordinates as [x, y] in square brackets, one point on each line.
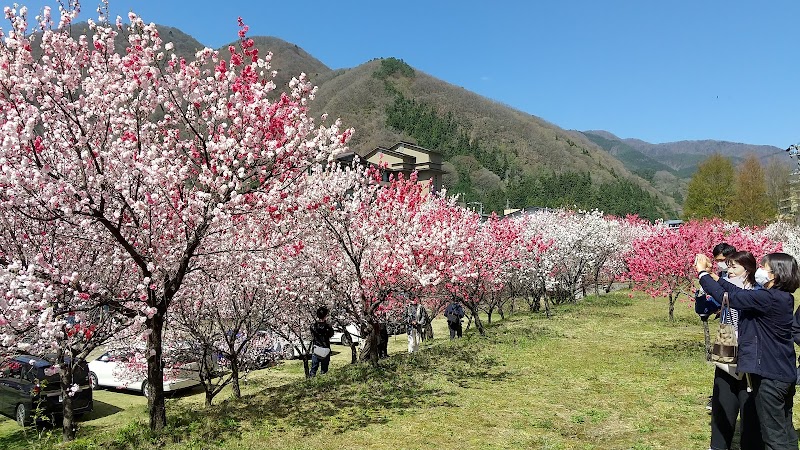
[383, 343]
[730, 400]
[773, 401]
[455, 329]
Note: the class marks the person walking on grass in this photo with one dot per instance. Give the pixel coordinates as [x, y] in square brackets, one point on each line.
[321, 334]
[454, 313]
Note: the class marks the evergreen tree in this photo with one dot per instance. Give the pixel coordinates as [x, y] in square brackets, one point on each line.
[708, 194]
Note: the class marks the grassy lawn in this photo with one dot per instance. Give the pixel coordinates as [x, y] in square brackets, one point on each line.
[609, 373]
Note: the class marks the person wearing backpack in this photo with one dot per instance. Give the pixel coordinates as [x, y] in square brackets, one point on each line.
[454, 313]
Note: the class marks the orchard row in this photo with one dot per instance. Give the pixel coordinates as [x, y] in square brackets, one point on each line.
[151, 202]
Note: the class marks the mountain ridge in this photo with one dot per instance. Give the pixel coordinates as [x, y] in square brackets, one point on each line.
[491, 149]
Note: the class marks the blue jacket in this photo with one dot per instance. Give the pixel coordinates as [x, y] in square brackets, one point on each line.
[766, 347]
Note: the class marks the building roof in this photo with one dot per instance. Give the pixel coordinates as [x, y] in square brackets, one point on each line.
[390, 151]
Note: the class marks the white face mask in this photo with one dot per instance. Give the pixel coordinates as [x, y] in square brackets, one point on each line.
[762, 276]
[722, 266]
[737, 281]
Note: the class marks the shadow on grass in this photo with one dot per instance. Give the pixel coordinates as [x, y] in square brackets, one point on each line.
[349, 398]
[101, 409]
[18, 439]
[45, 434]
[672, 350]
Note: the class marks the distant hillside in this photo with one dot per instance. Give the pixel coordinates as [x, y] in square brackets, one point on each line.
[387, 101]
[663, 177]
[669, 166]
[683, 156]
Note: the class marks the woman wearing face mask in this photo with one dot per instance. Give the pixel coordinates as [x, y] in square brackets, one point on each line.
[766, 348]
[730, 397]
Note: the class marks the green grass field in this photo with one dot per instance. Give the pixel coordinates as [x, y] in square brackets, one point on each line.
[608, 373]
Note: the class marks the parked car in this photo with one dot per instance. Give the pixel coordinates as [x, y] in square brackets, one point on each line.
[26, 387]
[264, 350]
[339, 337]
[117, 369]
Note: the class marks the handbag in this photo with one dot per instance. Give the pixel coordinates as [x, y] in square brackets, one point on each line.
[726, 345]
[321, 352]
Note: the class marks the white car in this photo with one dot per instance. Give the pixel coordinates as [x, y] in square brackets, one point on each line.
[339, 336]
[112, 369]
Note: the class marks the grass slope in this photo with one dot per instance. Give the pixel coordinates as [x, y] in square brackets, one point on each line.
[608, 373]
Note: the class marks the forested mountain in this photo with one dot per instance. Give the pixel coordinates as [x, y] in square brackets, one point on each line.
[683, 156]
[669, 166]
[495, 154]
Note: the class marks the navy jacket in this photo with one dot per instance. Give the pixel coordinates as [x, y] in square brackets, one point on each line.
[766, 347]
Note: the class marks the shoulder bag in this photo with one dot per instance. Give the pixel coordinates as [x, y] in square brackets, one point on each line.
[726, 345]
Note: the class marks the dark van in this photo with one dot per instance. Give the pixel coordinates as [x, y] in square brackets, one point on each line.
[24, 387]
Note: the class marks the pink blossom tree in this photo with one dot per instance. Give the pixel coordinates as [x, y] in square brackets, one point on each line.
[662, 264]
[144, 153]
[478, 258]
[364, 242]
[61, 299]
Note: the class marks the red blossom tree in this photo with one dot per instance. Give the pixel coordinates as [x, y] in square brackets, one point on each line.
[662, 264]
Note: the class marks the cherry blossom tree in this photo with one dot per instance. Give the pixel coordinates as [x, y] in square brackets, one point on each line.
[144, 153]
[61, 299]
[478, 257]
[662, 264]
[365, 237]
[530, 278]
[787, 234]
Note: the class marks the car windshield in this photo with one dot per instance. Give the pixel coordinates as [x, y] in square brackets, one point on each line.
[80, 374]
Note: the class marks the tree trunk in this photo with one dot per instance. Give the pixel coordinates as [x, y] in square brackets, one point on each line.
[547, 306]
[672, 307]
[237, 390]
[68, 428]
[502, 314]
[209, 397]
[155, 369]
[370, 350]
[306, 368]
[353, 353]
[609, 285]
[478, 325]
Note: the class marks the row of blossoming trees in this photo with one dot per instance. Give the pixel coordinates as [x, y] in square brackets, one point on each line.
[156, 203]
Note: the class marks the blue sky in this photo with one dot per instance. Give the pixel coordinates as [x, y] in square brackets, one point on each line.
[658, 71]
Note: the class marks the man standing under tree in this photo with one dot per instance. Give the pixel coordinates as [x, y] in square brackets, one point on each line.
[321, 333]
[416, 319]
[454, 313]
